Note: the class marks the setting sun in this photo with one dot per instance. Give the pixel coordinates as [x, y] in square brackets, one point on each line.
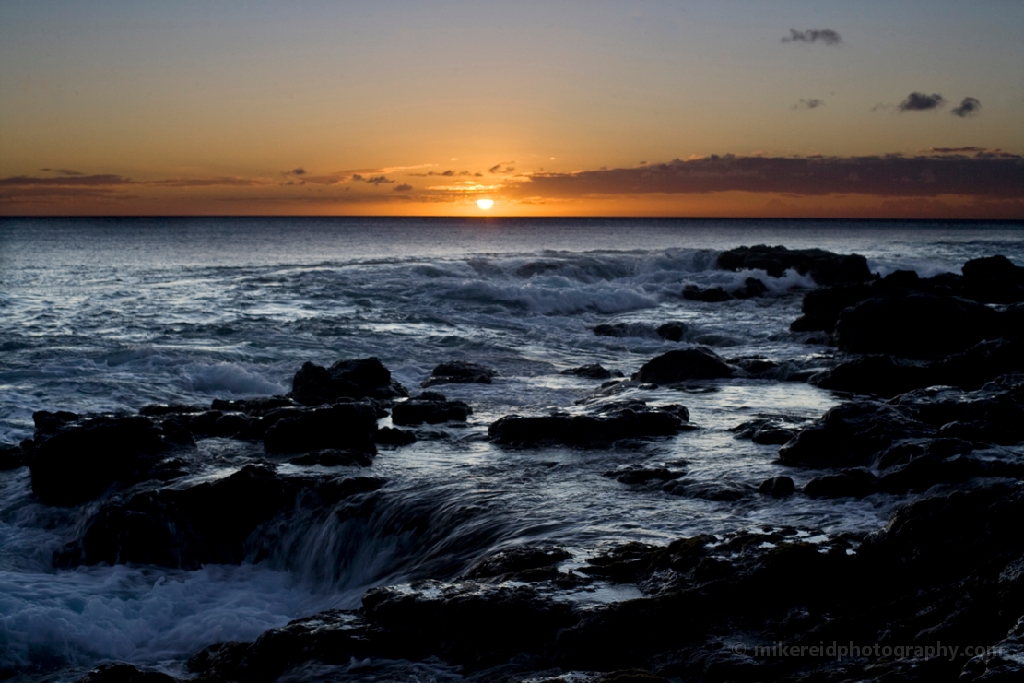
[485, 203]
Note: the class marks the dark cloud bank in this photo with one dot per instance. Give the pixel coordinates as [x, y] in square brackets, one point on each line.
[968, 107]
[813, 35]
[919, 101]
[990, 174]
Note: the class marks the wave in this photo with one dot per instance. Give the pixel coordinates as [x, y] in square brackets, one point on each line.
[230, 378]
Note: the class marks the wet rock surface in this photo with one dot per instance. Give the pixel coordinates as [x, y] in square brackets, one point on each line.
[683, 365]
[991, 280]
[355, 379]
[943, 569]
[209, 522]
[340, 426]
[634, 420]
[915, 325]
[826, 268]
[592, 371]
[75, 460]
[429, 407]
[460, 372]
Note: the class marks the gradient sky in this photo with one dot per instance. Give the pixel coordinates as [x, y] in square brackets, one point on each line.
[548, 108]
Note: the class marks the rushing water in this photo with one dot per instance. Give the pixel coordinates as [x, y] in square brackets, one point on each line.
[113, 314]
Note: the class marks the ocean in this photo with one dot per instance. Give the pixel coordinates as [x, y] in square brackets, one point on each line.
[109, 315]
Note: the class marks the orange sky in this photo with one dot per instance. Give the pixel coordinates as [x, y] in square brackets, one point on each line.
[550, 109]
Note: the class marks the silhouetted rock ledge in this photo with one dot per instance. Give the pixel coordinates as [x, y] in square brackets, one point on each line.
[824, 267]
[429, 407]
[946, 568]
[682, 365]
[208, 522]
[634, 420]
[77, 459]
[592, 371]
[359, 378]
[990, 280]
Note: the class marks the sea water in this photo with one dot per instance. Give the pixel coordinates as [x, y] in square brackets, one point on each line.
[101, 315]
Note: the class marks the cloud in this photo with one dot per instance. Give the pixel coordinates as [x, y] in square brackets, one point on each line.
[203, 182]
[502, 167]
[918, 101]
[891, 176]
[967, 107]
[70, 181]
[446, 174]
[297, 171]
[110, 180]
[379, 180]
[953, 150]
[403, 187]
[809, 104]
[464, 186]
[813, 35]
[62, 171]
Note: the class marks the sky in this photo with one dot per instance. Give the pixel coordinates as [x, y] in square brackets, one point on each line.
[558, 108]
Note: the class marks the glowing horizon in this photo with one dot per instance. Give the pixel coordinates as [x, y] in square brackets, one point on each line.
[662, 109]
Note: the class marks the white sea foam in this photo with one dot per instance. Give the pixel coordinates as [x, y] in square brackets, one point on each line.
[556, 295]
[229, 378]
[141, 615]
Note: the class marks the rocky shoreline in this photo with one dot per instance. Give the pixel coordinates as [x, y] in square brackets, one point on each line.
[932, 375]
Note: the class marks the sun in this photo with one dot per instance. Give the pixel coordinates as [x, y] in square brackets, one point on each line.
[485, 203]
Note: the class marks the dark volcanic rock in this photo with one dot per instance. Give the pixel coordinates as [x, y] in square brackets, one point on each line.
[881, 375]
[359, 378]
[989, 280]
[75, 461]
[983, 362]
[682, 365]
[395, 437]
[341, 426]
[777, 487]
[624, 330]
[994, 279]
[460, 372]
[522, 563]
[871, 433]
[752, 288]
[889, 376]
[429, 407]
[855, 482]
[160, 409]
[765, 431]
[849, 434]
[672, 331]
[592, 371]
[256, 407]
[824, 267]
[12, 456]
[480, 627]
[947, 569]
[632, 421]
[915, 325]
[205, 523]
[821, 307]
